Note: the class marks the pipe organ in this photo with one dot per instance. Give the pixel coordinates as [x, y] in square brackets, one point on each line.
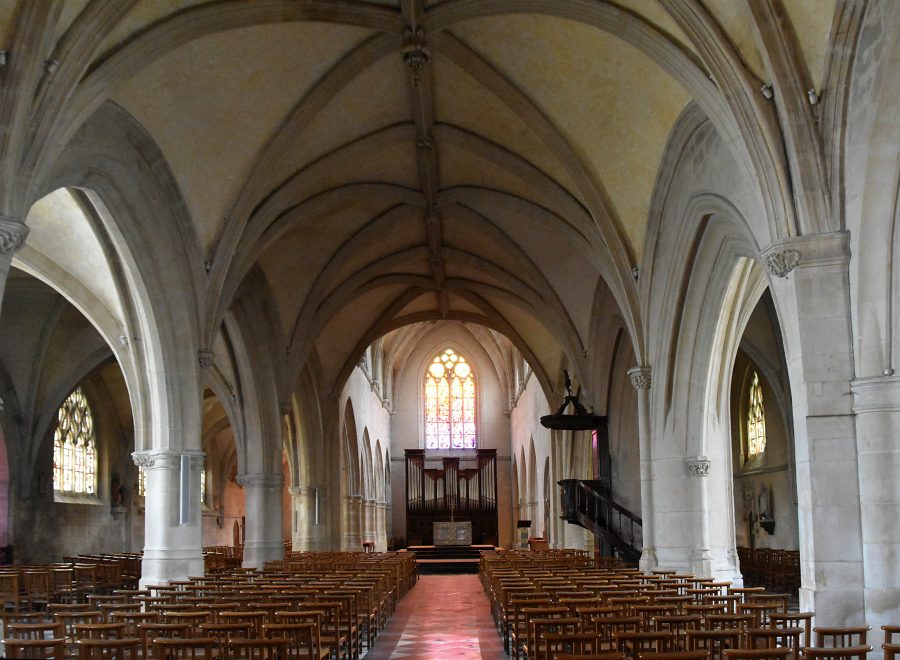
[451, 488]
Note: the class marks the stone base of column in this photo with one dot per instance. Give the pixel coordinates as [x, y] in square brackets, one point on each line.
[648, 562]
[164, 566]
[702, 563]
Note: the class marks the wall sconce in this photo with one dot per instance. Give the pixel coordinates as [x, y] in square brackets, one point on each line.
[766, 90]
[812, 96]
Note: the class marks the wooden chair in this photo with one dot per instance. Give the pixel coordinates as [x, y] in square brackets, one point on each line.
[573, 643]
[183, 648]
[802, 620]
[644, 641]
[609, 627]
[148, 633]
[675, 655]
[10, 595]
[714, 642]
[99, 630]
[836, 653]
[126, 648]
[678, 625]
[768, 638]
[890, 651]
[889, 631]
[42, 630]
[756, 654]
[608, 655]
[537, 646]
[260, 649]
[36, 648]
[304, 641]
[38, 588]
[841, 636]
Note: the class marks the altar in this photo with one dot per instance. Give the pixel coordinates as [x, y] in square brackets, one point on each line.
[453, 533]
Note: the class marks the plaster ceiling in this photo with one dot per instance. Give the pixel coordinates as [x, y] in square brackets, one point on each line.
[519, 161]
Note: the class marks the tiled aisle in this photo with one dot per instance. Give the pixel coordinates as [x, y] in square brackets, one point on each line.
[444, 616]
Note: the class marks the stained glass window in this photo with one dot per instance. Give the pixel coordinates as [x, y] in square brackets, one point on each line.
[756, 420]
[203, 486]
[75, 447]
[449, 403]
[142, 482]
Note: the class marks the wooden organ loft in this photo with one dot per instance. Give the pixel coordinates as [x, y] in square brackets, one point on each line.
[437, 489]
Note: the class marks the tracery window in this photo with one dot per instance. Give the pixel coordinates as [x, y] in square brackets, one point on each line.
[450, 403]
[75, 447]
[756, 420]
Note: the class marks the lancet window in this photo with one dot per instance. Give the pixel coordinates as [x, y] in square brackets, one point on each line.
[450, 398]
[75, 447]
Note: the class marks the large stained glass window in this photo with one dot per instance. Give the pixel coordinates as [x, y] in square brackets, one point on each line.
[75, 447]
[449, 403]
[756, 420]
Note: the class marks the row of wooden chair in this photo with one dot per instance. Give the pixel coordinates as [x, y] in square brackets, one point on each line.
[774, 569]
[543, 612]
[318, 604]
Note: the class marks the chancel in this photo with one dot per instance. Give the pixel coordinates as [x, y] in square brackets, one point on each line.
[287, 287]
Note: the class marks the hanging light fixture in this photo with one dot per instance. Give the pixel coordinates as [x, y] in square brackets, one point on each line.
[579, 420]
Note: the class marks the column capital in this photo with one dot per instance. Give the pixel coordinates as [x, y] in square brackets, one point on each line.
[698, 466]
[640, 377]
[167, 458]
[206, 358]
[261, 480]
[12, 234]
[782, 257]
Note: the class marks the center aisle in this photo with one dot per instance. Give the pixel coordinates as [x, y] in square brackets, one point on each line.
[443, 616]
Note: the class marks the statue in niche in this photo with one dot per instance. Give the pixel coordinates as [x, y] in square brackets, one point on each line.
[763, 503]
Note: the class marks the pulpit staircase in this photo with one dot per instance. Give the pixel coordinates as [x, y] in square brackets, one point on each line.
[588, 503]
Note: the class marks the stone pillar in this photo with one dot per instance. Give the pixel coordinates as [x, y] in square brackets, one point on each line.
[698, 471]
[381, 527]
[262, 502]
[811, 289]
[303, 502]
[172, 546]
[12, 237]
[640, 380]
[352, 537]
[877, 406]
[368, 531]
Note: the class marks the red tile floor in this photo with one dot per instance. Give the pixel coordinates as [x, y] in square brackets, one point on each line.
[443, 616]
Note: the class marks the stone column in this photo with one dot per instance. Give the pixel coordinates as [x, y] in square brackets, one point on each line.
[698, 470]
[811, 289]
[262, 502]
[172, 545]
[12, 237]
[303, 502]
[877, 406]
[381, 527]
[368, 531]
[640, 380]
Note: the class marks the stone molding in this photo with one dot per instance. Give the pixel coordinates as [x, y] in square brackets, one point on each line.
[162, 460]
[415, 52]
[877, 394]
[261, 480]
[12, 235]
[206, 358]
[698, 466]
[829, 249]
[640, 378]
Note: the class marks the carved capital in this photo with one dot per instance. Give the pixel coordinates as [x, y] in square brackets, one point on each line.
[640, 378]
[261, 480]
[782, 262]
[167, 459]
[143, 460]
[415, 52]
[698, 467]
[12, 235]
[206, 358]
[831, 249]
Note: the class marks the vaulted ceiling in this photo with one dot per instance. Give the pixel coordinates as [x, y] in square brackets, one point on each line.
[384, 163]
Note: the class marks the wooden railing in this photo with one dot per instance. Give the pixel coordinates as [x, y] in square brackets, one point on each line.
[589, 504]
